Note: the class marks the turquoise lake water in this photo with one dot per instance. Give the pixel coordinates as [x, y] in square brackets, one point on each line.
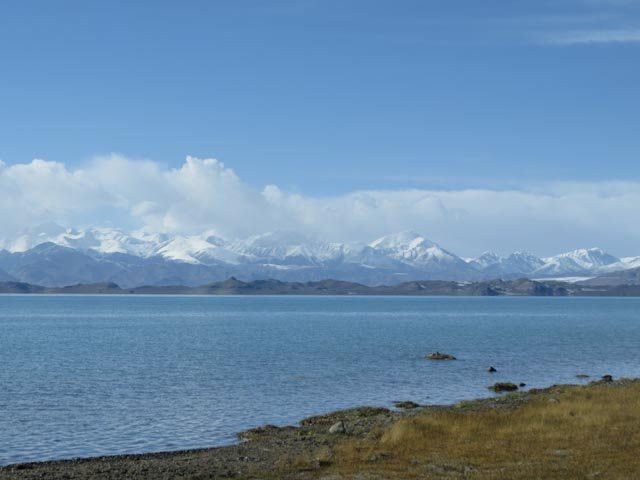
[96, 375]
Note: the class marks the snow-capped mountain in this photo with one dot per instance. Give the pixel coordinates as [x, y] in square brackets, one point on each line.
[484, 261]
[581, 262]
[288, 248]
[518, 263]
[413, 249]
[204, 249]
[578, 262]
[53, 256]
[104, 240]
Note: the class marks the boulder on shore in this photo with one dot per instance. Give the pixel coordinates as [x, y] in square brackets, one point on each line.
[503, 387]
[440, 356]
[338, 427]
[607, 378]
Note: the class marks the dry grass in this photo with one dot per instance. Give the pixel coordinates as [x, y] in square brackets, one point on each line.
[568, 432]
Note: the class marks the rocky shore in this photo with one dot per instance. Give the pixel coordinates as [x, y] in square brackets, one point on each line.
[263, 452]
[306, 451]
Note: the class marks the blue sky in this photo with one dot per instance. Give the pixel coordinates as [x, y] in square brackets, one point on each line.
[327, 97]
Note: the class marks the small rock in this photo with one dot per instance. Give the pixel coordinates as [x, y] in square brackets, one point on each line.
[408, 404]
[562, 453]
[582, 375]
[378, 455]
[440, 356]
[522, 384]
[607, 378]
[338, 427]
[492, 370]
[553, 400]
[503, 387]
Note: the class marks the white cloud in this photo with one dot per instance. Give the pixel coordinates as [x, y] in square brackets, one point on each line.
[589, 37]
[204, 194]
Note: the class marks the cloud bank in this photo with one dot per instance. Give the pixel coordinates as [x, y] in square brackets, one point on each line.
[204, 194]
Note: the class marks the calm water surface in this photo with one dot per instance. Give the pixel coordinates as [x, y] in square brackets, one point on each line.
[95, 375]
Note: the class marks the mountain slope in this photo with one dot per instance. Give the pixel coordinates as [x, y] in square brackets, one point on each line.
[5, 277]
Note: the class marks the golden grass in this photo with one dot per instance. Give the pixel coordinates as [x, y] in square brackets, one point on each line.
[568, 432]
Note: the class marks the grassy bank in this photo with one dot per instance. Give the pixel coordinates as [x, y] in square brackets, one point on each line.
[564, 432]
[586, 432]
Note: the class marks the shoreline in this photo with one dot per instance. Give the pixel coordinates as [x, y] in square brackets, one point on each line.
[522, 287]
[289, 451]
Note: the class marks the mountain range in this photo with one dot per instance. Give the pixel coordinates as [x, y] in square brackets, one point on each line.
[53, 257]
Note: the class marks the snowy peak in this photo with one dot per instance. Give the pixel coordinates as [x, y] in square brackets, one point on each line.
[205, 249]
[485, 260]
[587, 258]
[286, 246]
[523, 262]
[106, 240]
[412, 248]
[581, 261]
[578, 262]
[402, 241]
[102, 240]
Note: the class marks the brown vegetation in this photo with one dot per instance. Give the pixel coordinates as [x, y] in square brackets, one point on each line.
[565, 432]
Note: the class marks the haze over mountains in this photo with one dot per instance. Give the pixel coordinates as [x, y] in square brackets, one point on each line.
[52, 256]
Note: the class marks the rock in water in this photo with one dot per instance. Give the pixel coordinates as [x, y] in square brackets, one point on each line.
[440, 356]
[491, 370]
[338, 427]
[503, 387]
[582, 375]
[408, 404]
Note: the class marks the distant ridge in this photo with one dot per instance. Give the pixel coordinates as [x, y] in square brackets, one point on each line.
[233, 286]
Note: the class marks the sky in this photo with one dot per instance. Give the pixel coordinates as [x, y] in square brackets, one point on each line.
[483, 125]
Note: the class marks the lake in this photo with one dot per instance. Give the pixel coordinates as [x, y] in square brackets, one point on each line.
[97, 375]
